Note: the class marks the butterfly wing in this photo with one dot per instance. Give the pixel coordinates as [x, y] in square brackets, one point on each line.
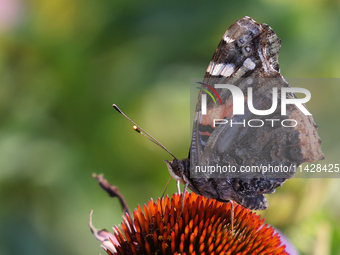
[247, 56]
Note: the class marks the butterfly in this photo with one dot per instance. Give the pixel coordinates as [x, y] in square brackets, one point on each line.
[247, 56]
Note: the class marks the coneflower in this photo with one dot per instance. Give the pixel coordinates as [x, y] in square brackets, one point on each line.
[202, 227]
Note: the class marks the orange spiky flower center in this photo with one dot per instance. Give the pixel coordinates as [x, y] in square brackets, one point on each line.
[204, 227]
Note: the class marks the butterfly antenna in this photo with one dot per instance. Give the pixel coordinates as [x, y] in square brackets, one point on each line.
[142, 131]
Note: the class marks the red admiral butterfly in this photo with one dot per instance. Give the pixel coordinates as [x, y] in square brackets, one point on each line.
[249, 52]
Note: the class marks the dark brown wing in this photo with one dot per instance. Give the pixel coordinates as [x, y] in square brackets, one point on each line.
[247, 56]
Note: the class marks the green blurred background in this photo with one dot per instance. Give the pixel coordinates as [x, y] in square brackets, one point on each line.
[64, 62]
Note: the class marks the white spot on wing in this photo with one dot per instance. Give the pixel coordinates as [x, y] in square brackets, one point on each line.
[249, 64]
[221, 69]
[228, 70]
[227, 39]
[259, 51]
[217, 69]
[211, 64]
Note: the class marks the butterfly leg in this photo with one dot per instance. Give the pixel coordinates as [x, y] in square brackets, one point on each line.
[231, 216]
[183, 195]
[166, 186]
[178, 187]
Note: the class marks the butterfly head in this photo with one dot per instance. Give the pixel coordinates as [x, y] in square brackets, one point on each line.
[177, 168]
